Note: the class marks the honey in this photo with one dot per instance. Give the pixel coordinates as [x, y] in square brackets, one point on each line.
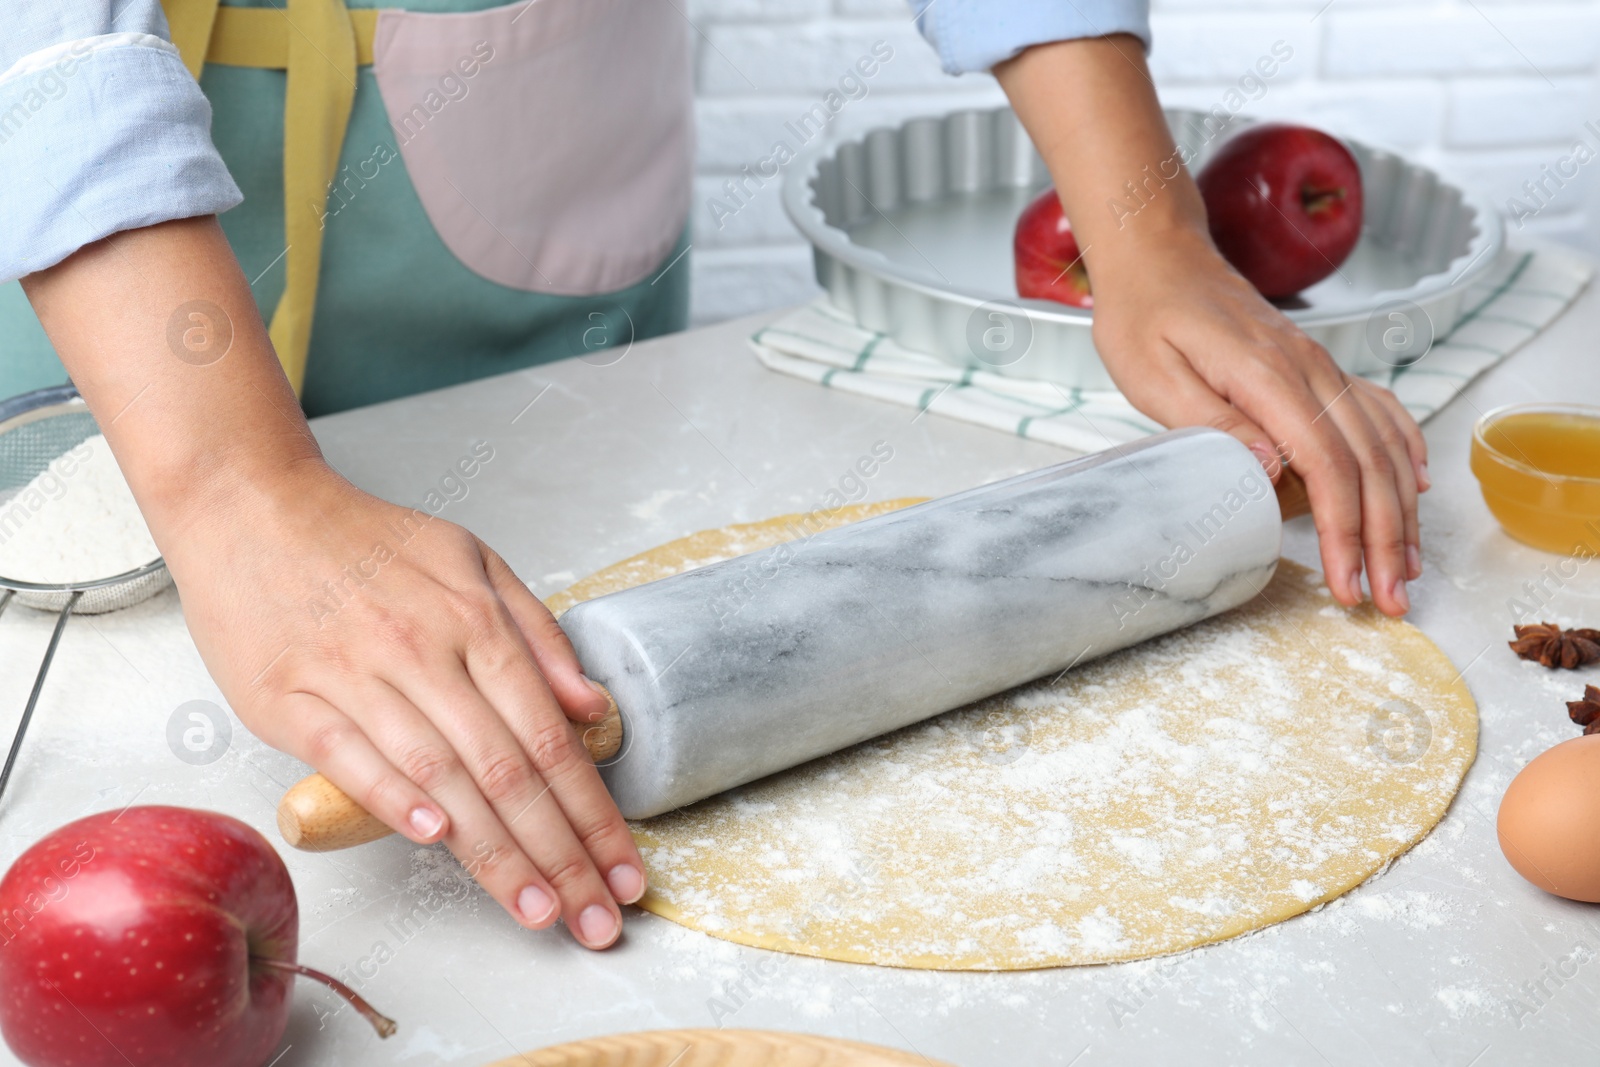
[1539, 468]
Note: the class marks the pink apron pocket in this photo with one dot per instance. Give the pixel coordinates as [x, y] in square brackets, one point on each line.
[549, 141]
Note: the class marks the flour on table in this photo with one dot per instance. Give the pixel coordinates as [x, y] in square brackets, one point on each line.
[75, 522]
[1197, 787]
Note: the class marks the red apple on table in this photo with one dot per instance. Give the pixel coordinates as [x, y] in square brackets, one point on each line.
[1284, 205]
[154, 936]
[1049, 264]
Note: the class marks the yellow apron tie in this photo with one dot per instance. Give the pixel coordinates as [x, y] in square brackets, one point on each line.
[320, 43]
[191, 24]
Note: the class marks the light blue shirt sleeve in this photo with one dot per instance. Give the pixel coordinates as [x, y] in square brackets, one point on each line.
[102, 129]
[973, 35]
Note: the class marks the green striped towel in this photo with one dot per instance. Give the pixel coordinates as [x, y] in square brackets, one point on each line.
[1524, 293]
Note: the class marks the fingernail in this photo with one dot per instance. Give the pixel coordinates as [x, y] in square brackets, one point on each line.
[600, 691]
[597, 925]
[1354, 585]
[425, 821]
[1268, 457]
[1400, 594]
[1413, 561]
[1424, 479]
[535, 904]
[626, 883]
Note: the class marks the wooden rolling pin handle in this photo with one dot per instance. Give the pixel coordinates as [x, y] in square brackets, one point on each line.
[317, 816]
[1293, 500]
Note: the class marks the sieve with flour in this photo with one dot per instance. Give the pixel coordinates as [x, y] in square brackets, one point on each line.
[38, 430]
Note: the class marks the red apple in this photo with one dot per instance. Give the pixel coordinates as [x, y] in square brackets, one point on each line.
[1049, 265]
[154, 936]
[1284, 203]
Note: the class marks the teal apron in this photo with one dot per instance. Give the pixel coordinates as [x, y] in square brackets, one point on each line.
[512, 186]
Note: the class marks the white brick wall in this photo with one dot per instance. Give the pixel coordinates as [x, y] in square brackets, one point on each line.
[1489, 91]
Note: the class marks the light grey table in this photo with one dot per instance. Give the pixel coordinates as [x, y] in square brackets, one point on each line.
[1425, 964]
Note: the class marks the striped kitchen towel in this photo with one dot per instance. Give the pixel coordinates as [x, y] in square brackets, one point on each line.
[1524, 293]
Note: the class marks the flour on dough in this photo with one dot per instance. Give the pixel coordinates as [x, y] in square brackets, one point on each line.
[1194, 788]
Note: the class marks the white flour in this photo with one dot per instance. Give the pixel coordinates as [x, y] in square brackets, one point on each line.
[76, 521]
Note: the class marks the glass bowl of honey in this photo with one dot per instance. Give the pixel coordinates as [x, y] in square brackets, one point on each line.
[1539, 468]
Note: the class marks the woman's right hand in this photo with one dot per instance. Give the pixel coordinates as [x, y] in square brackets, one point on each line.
[420, 676]
[429, 684]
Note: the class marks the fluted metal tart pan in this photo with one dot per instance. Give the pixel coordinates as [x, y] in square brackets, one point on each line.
[911, 228]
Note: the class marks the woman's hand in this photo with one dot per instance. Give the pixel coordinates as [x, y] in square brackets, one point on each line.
[389, 649]
[397, 654]
[1191, 343]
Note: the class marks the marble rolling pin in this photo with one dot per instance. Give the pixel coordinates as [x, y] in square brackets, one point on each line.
[728, 673]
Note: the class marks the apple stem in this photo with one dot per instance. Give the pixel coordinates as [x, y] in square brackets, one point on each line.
[1317, 200]
[380, 1022]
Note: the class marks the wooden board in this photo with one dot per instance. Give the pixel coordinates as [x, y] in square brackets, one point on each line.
[716, 1048]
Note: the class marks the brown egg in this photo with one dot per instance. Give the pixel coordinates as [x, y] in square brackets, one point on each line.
[1550, 820]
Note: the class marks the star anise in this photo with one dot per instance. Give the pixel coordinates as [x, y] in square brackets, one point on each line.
[1555, 647]
[1586, 712]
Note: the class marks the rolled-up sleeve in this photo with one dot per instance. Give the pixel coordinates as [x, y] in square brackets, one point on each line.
[102, 129]
[973, 35]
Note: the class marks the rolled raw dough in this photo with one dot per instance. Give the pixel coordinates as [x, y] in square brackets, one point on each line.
[1199, 786]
